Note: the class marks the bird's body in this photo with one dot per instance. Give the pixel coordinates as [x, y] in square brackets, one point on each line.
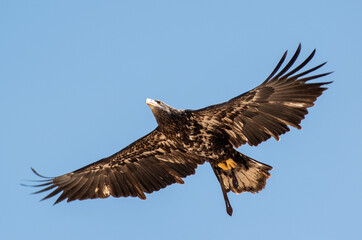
[186, 138]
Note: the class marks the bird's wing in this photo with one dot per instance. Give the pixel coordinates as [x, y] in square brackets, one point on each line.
[267, 110]
[147, 165]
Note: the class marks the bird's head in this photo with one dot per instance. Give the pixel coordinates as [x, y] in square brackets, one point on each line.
[163, 113]
[157, 104]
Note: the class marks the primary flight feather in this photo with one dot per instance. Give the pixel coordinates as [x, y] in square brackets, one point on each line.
[184, 139]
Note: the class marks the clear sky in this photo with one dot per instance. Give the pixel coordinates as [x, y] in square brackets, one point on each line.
[74, 76]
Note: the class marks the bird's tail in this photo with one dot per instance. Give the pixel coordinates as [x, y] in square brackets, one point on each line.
[241, 174]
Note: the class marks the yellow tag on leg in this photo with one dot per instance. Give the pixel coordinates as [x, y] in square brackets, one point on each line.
[227, 164]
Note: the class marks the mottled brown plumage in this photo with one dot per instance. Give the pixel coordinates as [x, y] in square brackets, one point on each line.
[186, 138]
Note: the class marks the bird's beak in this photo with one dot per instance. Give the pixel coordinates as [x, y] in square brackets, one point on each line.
[151, 102]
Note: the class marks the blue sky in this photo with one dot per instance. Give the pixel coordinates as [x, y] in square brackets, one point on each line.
[74, 76]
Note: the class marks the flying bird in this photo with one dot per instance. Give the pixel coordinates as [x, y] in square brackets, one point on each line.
[185, 139]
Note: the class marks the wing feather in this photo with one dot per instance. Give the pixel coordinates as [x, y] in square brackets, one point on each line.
[147, 165]
[269, 109]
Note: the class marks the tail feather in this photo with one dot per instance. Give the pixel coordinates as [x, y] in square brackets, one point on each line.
[248, 175]
[240, 174]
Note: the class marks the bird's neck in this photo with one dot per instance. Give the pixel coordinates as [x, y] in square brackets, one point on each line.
[171, 123]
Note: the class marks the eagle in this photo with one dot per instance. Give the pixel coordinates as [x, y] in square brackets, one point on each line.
[185, 139]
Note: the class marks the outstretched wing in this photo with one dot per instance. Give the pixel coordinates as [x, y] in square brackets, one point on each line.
[267, 110]
[147, 165]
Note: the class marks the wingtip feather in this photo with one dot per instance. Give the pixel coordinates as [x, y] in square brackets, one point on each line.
[36, 173]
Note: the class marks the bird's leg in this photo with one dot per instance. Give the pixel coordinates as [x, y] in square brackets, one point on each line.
[229, 209]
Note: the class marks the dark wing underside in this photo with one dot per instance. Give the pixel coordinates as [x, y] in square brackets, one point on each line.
[267, 110]
[147, 165]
